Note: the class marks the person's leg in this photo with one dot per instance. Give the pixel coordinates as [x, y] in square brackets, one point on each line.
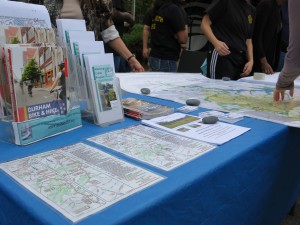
[154, 64]
[281, 61]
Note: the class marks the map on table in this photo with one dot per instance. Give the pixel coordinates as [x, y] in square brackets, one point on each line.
[79, 180]
[248, 99]
[157, 148]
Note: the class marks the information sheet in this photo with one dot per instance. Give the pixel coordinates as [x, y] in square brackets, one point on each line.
[155, 147]
[192, 127]
[79, 180]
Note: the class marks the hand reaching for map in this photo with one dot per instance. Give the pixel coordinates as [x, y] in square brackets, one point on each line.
[279, 94]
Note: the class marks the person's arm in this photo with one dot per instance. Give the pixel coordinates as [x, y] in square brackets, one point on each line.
[119, 46]
[248, 66]
[146, 34]
[182, 36]
[55, 82]
[263, 12]
[221, 47]
[119, 17]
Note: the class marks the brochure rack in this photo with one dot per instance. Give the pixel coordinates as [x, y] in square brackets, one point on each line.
[98, 88]
[31, 106]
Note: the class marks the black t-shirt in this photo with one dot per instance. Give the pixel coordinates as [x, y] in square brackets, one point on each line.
[164, 24]
[232, 22]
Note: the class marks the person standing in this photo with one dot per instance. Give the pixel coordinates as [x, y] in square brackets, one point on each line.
[166, 23]
[60, 79]
[228, 25]
[120, 17]
[284, 35]
[98, 17]
[267, 36]
[291, 68]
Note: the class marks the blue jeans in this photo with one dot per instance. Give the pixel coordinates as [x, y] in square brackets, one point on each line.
[121, 65]
[162, 65]
[281, 61]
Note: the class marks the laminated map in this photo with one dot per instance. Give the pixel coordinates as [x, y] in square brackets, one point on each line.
[79, 180]
[249, 99]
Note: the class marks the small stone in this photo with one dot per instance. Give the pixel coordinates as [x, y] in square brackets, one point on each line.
[193, 102]
[226, 78]
[210, 119]
[145, 91]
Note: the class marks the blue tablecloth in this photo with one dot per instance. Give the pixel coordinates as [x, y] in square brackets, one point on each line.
[253, 179]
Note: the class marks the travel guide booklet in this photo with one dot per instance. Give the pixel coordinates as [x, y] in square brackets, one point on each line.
[33, 71]
[192, 127]
[17, 35]
[141, 109]
[107, 105]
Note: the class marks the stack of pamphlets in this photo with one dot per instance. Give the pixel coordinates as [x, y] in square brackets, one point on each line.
[141, 109]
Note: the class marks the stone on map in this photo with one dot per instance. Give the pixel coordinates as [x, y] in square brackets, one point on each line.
[209, 119]
[145, 91]
[193, 102]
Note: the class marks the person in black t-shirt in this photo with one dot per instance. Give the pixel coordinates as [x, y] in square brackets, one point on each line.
[267, 36]
[228, 25]
[167, 25]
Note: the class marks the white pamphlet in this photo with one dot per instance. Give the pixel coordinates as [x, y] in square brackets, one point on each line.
[75, 36]
[64, 25]
[82, 48]
[24, 14]
[103, 88]
[192, 127]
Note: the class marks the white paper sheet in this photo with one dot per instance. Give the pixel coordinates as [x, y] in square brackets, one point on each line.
[192, 127]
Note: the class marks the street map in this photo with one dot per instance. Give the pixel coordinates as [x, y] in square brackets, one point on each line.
[79, 180]
[157, 148]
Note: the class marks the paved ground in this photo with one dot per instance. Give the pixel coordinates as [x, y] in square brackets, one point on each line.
[293, 219]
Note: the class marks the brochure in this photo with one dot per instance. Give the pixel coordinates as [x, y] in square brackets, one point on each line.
[107, 106]
[141, 109]
[192, 127]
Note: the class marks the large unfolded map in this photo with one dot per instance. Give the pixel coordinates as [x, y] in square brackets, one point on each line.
[158, 148]
[79, 180]
[249, 99]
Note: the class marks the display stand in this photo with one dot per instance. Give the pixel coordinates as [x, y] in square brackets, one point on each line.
[98, 88]
[32, 107]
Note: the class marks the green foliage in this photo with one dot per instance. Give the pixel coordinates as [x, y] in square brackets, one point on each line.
[15, 40]
[134, 40]
[141, 7]
[31, 71]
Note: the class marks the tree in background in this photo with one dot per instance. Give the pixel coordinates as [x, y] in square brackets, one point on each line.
[31, 71]
[141, 7]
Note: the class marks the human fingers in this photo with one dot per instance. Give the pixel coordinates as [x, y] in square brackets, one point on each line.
[276, 95]
[292, 92]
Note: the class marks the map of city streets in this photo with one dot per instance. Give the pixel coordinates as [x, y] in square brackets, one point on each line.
[248, 99]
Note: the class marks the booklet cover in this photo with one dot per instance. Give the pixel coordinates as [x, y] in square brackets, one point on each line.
[192, 127]
[141, 109]
[107, 105]
[17, 35]
[38, 82]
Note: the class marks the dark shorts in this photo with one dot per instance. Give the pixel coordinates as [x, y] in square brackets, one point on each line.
[230, 66]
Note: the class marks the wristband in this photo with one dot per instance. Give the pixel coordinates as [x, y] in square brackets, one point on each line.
[130, 57]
